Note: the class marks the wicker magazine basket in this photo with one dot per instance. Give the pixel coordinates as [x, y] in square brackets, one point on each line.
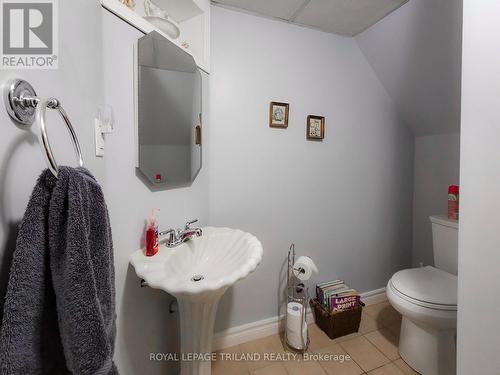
[336, 324]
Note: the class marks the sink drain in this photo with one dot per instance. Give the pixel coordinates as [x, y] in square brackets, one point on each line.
[197, 278]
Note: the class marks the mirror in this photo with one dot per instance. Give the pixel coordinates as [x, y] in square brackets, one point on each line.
[169, 110]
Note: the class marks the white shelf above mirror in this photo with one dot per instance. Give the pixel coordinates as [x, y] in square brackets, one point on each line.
[192, 16]
[180, 10]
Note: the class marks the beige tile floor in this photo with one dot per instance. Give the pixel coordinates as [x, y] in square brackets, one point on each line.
[373, 350]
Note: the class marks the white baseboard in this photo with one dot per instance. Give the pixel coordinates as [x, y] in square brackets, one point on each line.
[374, 296]
[270, 326]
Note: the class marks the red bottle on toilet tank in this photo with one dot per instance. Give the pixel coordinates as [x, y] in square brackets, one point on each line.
[453, 200]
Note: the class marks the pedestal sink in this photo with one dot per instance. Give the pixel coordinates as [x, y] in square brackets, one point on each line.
[198, 273]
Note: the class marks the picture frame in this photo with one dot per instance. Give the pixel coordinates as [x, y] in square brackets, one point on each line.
[315, 129]
[278, 115]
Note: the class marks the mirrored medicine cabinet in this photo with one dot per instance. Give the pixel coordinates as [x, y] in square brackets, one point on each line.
[169, 113]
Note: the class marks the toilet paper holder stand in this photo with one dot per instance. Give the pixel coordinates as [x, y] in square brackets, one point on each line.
[296, 292]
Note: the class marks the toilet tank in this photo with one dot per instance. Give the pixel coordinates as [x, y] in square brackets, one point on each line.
[445, 243]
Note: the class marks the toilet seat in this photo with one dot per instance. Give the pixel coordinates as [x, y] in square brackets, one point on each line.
[427, 287]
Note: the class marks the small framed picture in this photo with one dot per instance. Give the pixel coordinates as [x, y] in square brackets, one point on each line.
[278, 115]
[315, 127]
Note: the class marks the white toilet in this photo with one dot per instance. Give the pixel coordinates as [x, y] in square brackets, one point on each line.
[426, 297]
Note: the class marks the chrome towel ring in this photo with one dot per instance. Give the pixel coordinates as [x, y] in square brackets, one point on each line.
[25, 108]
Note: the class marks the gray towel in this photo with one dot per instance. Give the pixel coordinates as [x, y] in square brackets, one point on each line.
[59, 313]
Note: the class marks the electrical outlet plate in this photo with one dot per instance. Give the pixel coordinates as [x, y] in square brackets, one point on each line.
[103, 124]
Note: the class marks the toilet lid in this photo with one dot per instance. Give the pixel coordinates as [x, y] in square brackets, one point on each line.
[427, 284]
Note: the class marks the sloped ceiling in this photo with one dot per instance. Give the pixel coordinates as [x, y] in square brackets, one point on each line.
[345, 17]
[415, 49]
[416, 52]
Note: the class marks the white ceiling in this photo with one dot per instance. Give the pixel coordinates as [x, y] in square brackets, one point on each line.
[345, 17]
[416, 53]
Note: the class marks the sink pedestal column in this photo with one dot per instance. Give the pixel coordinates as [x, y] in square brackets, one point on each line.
[197, 318]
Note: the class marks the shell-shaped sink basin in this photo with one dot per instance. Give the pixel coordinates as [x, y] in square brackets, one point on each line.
[203, 265]
[197, 273]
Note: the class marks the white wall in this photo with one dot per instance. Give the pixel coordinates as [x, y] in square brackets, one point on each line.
[437, 165]
[345, 201]
[416, 53]
[144, 323]
[78, 84]
[479, 233]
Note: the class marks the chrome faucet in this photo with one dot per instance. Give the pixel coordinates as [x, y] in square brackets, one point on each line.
[177, 236]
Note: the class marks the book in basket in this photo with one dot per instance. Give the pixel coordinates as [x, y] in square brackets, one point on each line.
[345, 302]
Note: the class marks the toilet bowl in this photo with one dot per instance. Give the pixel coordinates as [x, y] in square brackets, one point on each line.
[426, 297]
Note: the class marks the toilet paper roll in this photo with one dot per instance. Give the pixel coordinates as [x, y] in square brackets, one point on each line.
[294, 326]
[295, 341]
[304, 267]
[294, 308]
[294, 315]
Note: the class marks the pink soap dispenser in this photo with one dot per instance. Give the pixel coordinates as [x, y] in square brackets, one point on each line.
[152, 234]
